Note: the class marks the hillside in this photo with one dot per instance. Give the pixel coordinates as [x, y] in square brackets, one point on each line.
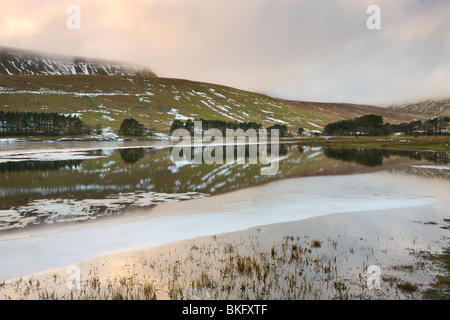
[350, 111]
[21, 62]
[104, 93]
[430, 108]
[107, 100]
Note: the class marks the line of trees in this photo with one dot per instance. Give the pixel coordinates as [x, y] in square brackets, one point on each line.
[282, 129]
[224, 125]
[14, 123]
[214, 124]
[373, 125]
[366, 125]
[435, 126]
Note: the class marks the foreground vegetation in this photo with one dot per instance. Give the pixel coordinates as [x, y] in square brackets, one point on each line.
[293, 268]
[440, 289]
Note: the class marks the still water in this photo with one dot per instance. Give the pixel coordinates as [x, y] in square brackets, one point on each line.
[41, 187]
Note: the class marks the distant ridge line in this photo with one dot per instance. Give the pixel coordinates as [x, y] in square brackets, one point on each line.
[26, 62]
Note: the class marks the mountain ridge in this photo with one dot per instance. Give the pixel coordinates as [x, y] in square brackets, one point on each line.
[431, 108]
[25, 62]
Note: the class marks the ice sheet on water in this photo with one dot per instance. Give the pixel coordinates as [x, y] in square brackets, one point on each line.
[11, 140]
[433, 167]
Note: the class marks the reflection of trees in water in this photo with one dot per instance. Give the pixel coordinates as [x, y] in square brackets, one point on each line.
[132, 155]
[365, 157]
[39, 165]
[374, 157]
[437, 157]
[284, 149]
[432, 156]
[413, 155]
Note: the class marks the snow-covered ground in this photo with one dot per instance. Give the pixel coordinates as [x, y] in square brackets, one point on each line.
[106, 134]
[161, 136]
[175, 112]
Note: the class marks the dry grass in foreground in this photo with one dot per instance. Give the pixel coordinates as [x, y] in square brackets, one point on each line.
[293, 268]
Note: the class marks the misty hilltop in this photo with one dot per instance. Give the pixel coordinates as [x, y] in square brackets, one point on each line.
[23, 62]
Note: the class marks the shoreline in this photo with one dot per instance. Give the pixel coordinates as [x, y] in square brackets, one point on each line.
[354, 251]
[242, 199]
[404, 142]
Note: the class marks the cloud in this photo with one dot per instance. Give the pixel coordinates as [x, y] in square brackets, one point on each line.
[317, 50]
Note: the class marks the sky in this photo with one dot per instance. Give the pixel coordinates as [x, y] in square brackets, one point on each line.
[309, 50]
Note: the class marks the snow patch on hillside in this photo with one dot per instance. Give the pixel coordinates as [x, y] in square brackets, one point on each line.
[175, 112]
[107, 134]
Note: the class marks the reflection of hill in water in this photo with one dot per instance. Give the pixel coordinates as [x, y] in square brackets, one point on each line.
[366, 157]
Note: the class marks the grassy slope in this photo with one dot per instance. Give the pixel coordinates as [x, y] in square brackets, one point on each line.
[110, 99]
